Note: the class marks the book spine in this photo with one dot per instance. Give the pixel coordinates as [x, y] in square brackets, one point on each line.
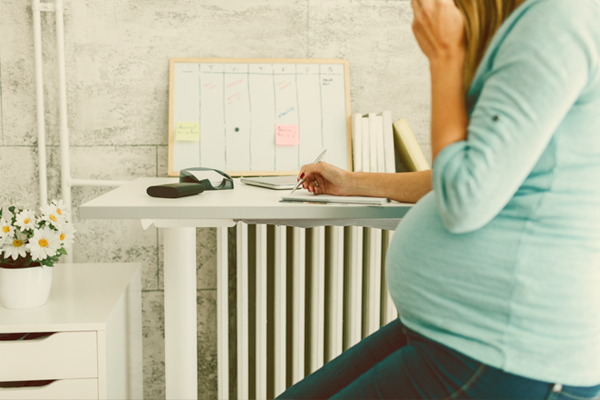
[380, 145]
[357, 142]
[372, 143]
[366, 166]
[388, 142]
[411, 153]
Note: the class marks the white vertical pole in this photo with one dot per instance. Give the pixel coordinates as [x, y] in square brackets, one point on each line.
[242, 311]
[181, 341]
[222, 315]
[354, 296]
[336, 290]
[65, 174]
[317, 312]
[261, 312]
[299, 300]
[39, 92]
[391, 313]
[373, 284]
[280, 310]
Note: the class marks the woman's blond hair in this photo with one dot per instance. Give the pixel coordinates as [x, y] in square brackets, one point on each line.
[482, 20]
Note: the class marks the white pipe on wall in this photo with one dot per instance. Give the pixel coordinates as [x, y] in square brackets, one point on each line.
[66, 181]
[62, 92]
[39, 91]
[65, 173]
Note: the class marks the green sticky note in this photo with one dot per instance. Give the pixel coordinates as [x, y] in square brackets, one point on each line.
[188, 131]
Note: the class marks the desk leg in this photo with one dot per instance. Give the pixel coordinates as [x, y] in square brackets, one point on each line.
[181, 347]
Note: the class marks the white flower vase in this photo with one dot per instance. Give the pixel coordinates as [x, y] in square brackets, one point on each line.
[25, 287]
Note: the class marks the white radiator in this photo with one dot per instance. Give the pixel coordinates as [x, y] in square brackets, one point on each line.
[302, 297]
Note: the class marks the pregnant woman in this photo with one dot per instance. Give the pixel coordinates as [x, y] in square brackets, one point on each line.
[495, 271]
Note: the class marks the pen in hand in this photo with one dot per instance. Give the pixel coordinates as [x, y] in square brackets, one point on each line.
[303, 179]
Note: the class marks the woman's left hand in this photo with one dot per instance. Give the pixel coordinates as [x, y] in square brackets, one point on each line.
[439, 28]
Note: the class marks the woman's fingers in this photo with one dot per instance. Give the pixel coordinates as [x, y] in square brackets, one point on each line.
[313, 168]
[310, 169]
[313, 178]
[324, 178]
[312, 182]
[438, 27]
[318, 185]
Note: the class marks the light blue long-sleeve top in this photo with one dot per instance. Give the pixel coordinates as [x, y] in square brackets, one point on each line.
[501, 261]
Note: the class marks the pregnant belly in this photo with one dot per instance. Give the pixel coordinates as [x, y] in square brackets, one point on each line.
[434, 274]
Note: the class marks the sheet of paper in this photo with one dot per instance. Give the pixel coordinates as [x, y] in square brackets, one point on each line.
[188, 131]
[286, 135]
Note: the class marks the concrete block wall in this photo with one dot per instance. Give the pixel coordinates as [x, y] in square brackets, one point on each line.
[117, 60]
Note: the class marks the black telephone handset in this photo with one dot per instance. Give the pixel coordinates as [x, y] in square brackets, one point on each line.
[189, 185]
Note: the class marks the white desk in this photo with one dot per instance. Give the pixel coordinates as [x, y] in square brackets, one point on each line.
[179, 218]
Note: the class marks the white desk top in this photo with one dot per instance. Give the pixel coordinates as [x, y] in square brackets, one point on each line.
[81, 298]
[131, 201]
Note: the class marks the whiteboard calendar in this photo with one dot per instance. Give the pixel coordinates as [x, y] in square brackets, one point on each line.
[253, 117]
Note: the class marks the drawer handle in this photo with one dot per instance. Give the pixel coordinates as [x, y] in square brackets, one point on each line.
[18, 384]
[25, 336]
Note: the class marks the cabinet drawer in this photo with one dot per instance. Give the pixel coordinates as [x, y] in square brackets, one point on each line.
[62, 355]
[60, 389]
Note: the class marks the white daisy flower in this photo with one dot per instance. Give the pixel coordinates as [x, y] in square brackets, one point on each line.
[67, 234]
[15, 247]
[6, 229]
[61, 209]
[26, 220]
[50, 214]
[44, 243]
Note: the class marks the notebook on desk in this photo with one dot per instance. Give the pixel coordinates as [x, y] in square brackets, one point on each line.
[304, 196]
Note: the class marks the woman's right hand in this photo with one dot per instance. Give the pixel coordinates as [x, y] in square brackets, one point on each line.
[324, 178]
[439, 28]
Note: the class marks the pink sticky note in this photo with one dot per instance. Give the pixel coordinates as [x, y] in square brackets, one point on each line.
[286, 135]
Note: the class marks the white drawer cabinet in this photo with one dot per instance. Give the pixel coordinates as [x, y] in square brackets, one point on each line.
[84, 343]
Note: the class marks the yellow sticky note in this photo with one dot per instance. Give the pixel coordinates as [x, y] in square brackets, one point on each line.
[188, 131]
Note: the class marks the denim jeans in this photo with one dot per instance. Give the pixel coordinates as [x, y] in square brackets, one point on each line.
[398, 363]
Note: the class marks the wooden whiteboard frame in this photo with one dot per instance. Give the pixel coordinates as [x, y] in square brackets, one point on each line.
[173, 61]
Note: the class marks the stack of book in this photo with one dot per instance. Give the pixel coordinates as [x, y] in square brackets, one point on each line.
[380, 145]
